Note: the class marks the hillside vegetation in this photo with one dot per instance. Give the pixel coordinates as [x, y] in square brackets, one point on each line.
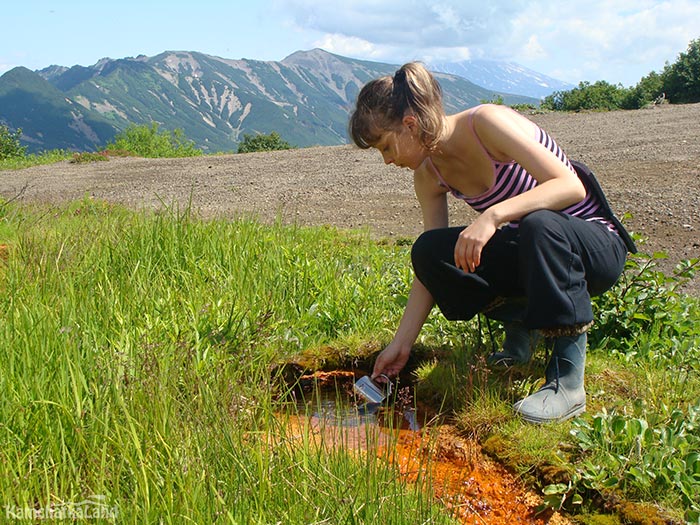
[215, 101]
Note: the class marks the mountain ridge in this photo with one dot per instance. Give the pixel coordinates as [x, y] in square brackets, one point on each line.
[49, 108]
[306, 98]
[502, 76]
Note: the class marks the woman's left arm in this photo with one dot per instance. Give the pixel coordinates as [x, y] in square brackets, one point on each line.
[510, 136]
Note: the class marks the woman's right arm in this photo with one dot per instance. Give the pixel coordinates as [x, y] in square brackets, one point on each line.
[393, 358]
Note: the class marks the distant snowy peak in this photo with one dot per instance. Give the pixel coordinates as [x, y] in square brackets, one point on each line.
[503, 77]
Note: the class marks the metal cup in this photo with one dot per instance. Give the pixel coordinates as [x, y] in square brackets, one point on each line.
[371, 391]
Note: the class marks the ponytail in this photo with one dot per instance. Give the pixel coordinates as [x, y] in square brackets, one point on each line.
[382, 104]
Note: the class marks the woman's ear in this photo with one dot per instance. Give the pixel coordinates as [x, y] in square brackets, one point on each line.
[410, 122]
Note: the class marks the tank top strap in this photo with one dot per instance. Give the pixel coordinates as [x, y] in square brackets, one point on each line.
[438, 174]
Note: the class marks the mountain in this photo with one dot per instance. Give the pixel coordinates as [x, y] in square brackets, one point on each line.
[306, 98]
[504, 77]
[46, 116]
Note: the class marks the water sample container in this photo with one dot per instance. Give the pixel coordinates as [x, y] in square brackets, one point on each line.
[371, 391]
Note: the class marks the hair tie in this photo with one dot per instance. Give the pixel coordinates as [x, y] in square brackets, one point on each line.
[400, 76]
[401, 93]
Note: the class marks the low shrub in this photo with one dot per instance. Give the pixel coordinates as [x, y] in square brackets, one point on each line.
[86, 156]
[260, 142]
[10, 146]
[147, 141]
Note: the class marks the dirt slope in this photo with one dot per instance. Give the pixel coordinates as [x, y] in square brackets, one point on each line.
[648, 161]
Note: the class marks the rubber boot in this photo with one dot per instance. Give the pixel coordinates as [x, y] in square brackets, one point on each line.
[563, 396]
[518, 346]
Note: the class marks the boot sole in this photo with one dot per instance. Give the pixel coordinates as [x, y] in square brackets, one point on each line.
[574, 411]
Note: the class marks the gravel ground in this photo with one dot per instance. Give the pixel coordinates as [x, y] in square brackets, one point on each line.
[648, 162]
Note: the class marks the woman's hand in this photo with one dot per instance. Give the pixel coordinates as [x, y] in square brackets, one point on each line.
[390, 361]
[472, 240]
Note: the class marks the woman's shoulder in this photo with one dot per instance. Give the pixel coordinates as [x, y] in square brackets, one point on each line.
[483, 113]
[425, 179]
[487, 119]
[489, 112]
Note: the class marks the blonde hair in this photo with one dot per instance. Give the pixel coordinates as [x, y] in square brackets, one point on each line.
[382, 103]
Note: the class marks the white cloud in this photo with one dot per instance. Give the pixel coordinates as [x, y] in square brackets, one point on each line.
[347, 45]
[533, 50]
[617, 41]
[447, 54]
[614, 40]
[410, 25]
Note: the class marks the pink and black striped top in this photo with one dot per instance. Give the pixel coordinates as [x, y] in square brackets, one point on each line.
[512, 179]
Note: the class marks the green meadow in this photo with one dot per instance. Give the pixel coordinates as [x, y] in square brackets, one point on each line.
[140, 362]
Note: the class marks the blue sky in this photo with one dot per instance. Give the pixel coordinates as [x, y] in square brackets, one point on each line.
[619, 41]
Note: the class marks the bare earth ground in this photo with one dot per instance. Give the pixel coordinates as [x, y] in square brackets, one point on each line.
[648, 162]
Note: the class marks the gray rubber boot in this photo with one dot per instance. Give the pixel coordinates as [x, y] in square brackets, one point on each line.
[518, 346]
[563, 395]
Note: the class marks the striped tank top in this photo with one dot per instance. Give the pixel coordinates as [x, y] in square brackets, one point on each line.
[512, 179]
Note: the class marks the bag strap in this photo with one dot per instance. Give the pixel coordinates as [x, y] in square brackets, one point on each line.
[589, 180]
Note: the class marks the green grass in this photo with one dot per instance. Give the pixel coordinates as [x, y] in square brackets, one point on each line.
[137, 353]
[35, 159]
[139, 357]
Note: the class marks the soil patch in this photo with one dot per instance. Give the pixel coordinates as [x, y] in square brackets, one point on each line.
[648, 162]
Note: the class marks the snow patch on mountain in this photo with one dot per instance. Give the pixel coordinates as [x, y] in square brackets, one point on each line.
[503, 77]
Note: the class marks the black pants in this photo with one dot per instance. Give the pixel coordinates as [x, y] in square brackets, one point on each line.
[550, 265]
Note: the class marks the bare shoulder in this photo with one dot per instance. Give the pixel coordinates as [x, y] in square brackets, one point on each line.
[495, 115]
[426, 182]
[500, 128]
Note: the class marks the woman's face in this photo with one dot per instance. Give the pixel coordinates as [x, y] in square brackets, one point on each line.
[402, 147]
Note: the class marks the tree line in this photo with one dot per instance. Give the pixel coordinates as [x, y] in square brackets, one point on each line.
[678, 83]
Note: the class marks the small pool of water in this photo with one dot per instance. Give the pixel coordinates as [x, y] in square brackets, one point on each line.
[474, 487]
[327, 408]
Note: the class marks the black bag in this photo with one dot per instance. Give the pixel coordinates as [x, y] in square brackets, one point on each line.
[593, 186]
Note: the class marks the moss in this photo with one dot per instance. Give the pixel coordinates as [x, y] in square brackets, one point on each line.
[639, 513]
[553, 474]
[502, 450]
[627, 513]
[358, 355]
[598, 519]
[496, 446]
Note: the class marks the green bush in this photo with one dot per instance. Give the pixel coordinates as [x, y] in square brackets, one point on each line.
[598, 96]
[497, 99]
[524, 107]
[645, 304]
[147, 141]
[260, 142]
[9, 144]
[681, 80]
[643, 455]
[649, 89]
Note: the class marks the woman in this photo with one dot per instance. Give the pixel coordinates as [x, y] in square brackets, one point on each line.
[544, 242]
